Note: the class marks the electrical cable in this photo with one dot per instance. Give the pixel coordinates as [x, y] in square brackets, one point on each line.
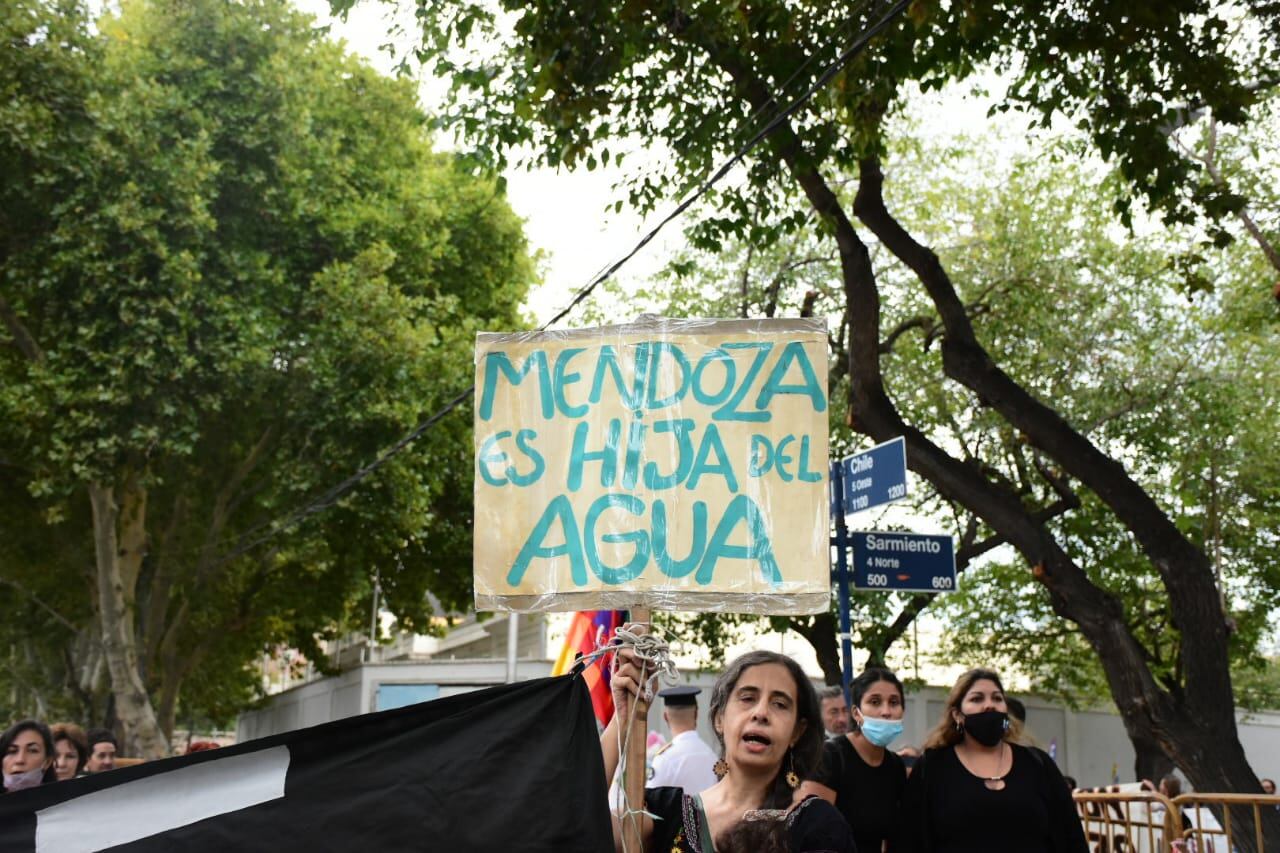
[261, 533]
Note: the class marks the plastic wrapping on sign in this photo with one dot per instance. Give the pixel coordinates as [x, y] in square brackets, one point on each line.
[668, 464]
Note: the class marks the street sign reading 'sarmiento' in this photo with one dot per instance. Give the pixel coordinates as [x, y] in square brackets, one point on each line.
[676, 464]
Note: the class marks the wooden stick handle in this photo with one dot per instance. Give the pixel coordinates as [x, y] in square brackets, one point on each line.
[633, 781]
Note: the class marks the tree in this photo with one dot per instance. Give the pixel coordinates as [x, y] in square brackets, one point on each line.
[1183, 372]
[572, 81]
[234, 272]
[1175, 383]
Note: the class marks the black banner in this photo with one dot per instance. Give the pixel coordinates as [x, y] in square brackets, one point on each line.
[511, 768]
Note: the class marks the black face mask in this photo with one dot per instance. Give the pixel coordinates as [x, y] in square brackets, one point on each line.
[987, 727]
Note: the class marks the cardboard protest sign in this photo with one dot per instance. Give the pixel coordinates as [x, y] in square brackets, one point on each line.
[673, 464]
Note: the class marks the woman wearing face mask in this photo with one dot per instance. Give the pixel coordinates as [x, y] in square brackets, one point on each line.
[766, 716]
[976, 789]
[27, 750]
[859, 774]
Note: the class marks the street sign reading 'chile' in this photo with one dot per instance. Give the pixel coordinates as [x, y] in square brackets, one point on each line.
[874, 477]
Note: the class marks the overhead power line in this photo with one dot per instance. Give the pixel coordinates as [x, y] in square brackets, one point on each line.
[266, 531]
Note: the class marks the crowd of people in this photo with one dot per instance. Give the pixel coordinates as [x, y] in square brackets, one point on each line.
[801, 772]
[33, 753]
[38, 754]
[794, 772]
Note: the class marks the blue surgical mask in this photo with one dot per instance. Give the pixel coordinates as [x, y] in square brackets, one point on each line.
[881, 732]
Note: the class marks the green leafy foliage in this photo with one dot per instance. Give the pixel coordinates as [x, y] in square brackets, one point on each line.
[1089, 315]
[693, 80]
[560, 84]
[247, 273]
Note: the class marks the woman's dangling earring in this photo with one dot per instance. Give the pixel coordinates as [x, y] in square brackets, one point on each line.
[721, 768]
[792, 779]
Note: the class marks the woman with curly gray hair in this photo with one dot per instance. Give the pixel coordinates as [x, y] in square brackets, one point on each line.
[769, 726]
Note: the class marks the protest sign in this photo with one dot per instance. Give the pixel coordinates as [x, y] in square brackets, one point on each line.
[674, 464]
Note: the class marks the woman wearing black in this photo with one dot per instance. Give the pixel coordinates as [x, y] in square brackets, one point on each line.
[766, 716]
[859, 774]
[976, 790]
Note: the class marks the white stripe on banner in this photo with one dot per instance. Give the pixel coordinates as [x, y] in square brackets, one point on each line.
[162, 802]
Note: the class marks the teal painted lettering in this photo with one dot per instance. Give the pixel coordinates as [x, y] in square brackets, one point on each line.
[608, 456]
[667, 564]
[805, 474]
[758, 467]
[630, 570]
[607, 362]
[711, 443]
[715, 356]
[523, 441]
[490, 455]
[656, 373]
[533, 548]
[730, 410]
[499, 362]
[635, 452]
[563, 378]
[781, 459]
[808, 387]
[741, 510]
[681, 429]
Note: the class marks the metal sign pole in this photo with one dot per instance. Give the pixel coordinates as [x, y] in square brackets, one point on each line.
[841, 543]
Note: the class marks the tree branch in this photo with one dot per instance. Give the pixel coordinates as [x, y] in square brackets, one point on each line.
[71, 626]
[1211, 168]
[21, 336]
[920, 321]
[745, 280]
[1146, 707]
[965, 555]
[1184, 569]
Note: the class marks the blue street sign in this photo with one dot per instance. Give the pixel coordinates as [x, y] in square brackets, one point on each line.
[874, 477]
[903, 562]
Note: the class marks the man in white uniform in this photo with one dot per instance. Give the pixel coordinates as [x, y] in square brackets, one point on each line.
[687, 762]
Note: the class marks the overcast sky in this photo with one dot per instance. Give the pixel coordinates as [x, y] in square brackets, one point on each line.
[565, 219]
[564, 211]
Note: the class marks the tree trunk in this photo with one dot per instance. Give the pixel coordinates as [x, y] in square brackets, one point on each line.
[1201, 737]
[1196, 726]
[118, 537]
[820, 631]
[167, 707]
[1149, 761]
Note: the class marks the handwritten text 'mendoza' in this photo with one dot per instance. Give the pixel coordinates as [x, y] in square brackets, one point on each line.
[733, 382]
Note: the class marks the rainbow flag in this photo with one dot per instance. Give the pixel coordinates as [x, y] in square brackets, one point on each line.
[589, 630]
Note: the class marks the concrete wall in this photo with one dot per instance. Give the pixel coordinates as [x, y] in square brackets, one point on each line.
[356, 691]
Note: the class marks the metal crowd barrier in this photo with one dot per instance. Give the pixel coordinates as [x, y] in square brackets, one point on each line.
[1204, 832]
[1120, 821]
[1128, 821]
